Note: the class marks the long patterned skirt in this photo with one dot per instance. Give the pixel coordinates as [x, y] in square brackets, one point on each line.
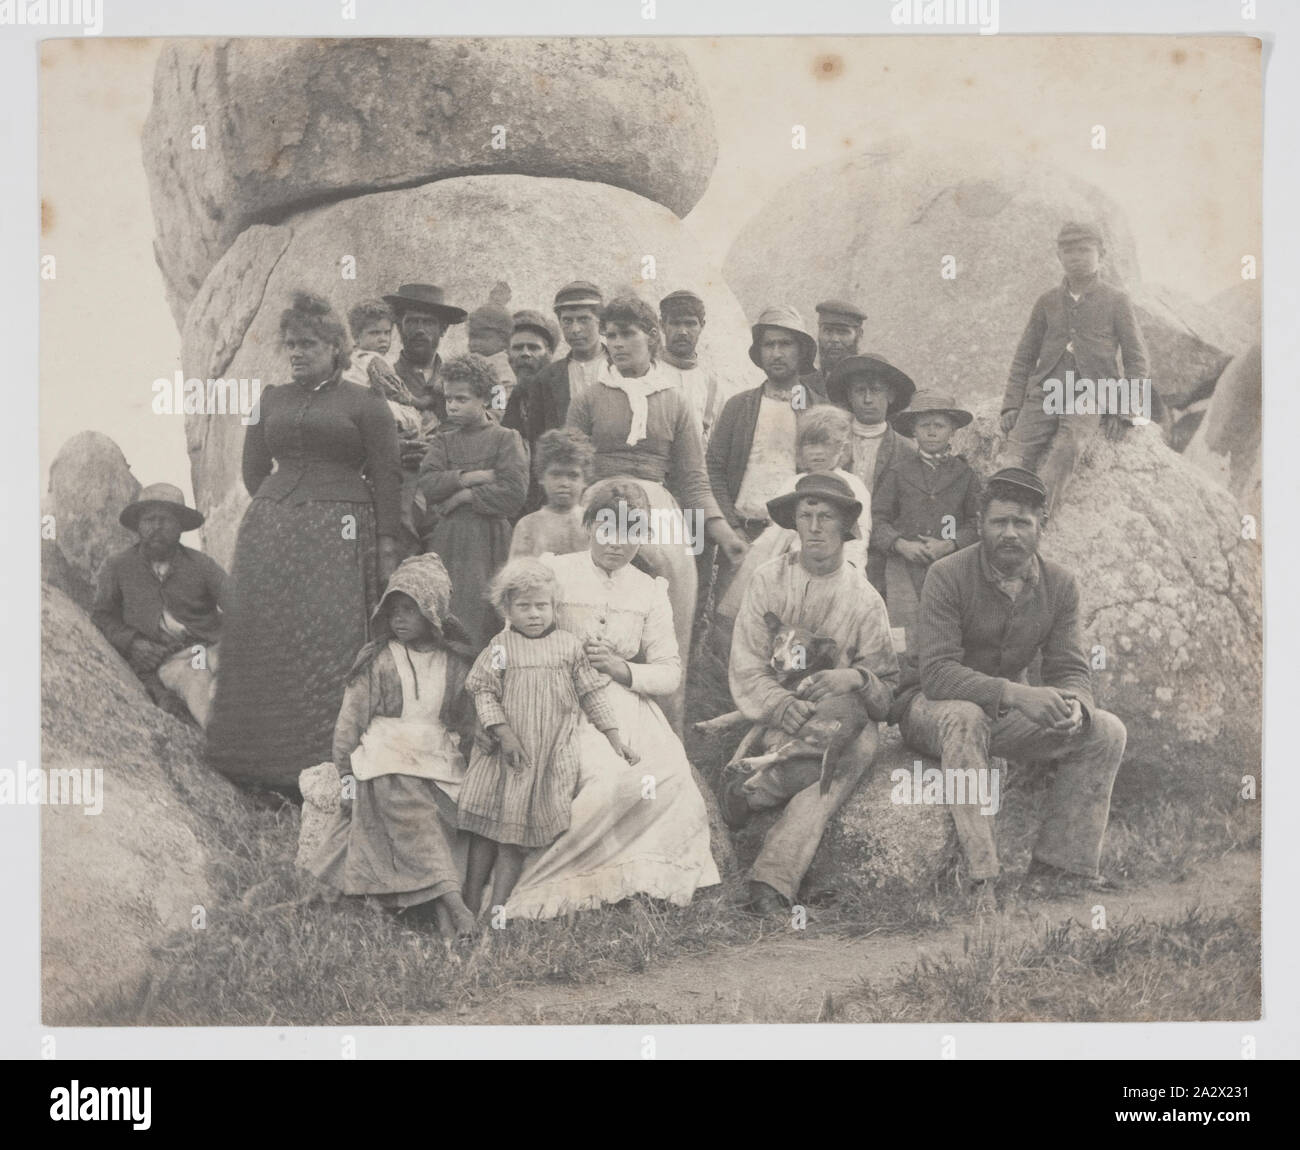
[302, 586]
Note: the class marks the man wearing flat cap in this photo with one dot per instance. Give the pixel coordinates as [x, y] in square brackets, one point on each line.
[159, 604]
[986, 613]
[532, 343]
[1081, 329]
[543, 402]
[814, 589]
[681, 315]
[839, 332]
[873, 390]
[751, 453]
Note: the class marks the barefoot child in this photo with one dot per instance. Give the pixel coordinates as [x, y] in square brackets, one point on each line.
[474, 480]
[398, 749]
[527, 686]
[564, 465]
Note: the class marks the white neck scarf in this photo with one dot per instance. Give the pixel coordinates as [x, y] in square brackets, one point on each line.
[638, 391]
[869, 430]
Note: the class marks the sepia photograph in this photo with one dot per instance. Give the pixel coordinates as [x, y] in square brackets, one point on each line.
[650, 530]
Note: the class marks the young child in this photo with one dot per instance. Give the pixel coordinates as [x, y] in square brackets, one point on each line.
[371, 324]
[822, 435]
[473, 482]
[489, 330]
[1080, 326]
[398, 747]
[564, 465]
[527, 686]
[926, 504]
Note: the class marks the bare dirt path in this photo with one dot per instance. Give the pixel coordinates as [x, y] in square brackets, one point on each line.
[789, 975]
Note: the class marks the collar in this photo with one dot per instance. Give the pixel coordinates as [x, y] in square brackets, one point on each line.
[991, 576]
[181, 553]
[512, 627]
[937, 458]
[603, 575]
[434, 365]
[1090, 287]
[688, 364]
[869, 430]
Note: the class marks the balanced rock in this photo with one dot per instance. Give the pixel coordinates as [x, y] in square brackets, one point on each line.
[1227, 443]
[530, 233]
[1184, 340]
[880, 229]
[90, 484]
[248, 131]
[129, 862]
[1170, 591]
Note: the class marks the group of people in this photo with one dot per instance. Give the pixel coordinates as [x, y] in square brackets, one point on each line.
[427, 592]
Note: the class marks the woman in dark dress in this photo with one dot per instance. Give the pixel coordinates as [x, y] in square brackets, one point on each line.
[315, 547]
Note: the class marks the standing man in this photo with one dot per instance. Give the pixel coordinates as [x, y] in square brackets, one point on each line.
[839, 332]
[532, 343]
[543, 402]
[872, 389]
[159, 604]
[986, 613]
[815, 589]
[681, 315]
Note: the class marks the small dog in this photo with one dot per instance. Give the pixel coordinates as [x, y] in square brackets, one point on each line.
[829, 731]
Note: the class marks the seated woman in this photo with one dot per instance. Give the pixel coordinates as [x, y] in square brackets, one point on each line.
[641, 829]
[644, 427]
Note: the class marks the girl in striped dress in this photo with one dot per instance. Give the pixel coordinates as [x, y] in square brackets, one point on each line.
[527, 685]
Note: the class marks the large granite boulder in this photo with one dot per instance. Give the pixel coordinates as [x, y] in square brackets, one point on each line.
[1170, 591]
[90, 484]
[291, 123]
[1227, 442]
[116, 881]
[876, 227]
[469, 235]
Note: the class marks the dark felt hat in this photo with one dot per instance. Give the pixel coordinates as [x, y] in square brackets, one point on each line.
[1022, 480]
[830, 488]
[787, 319]
[840, 311]
[424, 297]
[160, 495]
[868, 366]
[682, 301]
[929, 403]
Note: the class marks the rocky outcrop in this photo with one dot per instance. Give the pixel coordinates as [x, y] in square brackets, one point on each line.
[1227, 442]
[530, 233]
[90, 484]
[286, 124]
[115, 881]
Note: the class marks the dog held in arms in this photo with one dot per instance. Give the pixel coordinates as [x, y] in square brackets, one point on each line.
[838, 720]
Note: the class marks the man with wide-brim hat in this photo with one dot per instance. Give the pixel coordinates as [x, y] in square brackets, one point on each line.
[872, 389]
[815, 589]
[159, 603]
[752, 448]
[988, 612]
[423, 316]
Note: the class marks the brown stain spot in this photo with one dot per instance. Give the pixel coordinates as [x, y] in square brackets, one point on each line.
[828, 67]
[1178, 56]
[969, 81]
[47, 217]
[848, 141]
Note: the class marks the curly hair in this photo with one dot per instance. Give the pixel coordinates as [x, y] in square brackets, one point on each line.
[632, 310]
[609, 494]
[368, 311]
[471, 369]
[520, 576]
[314, 314]
[824, 423]
[565, 447]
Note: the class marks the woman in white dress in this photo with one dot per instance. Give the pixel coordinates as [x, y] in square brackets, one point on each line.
[641, 829]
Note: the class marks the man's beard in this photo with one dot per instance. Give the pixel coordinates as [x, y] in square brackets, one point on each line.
[420, 354]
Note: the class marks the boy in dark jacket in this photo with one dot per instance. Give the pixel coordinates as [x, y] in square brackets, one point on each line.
[926, 504]
[1079, 327]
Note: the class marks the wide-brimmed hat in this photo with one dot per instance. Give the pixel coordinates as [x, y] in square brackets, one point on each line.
[829, 488]
[788, 319]
[929, 403]
[160, 495]
[868, 366]
[424, 297]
